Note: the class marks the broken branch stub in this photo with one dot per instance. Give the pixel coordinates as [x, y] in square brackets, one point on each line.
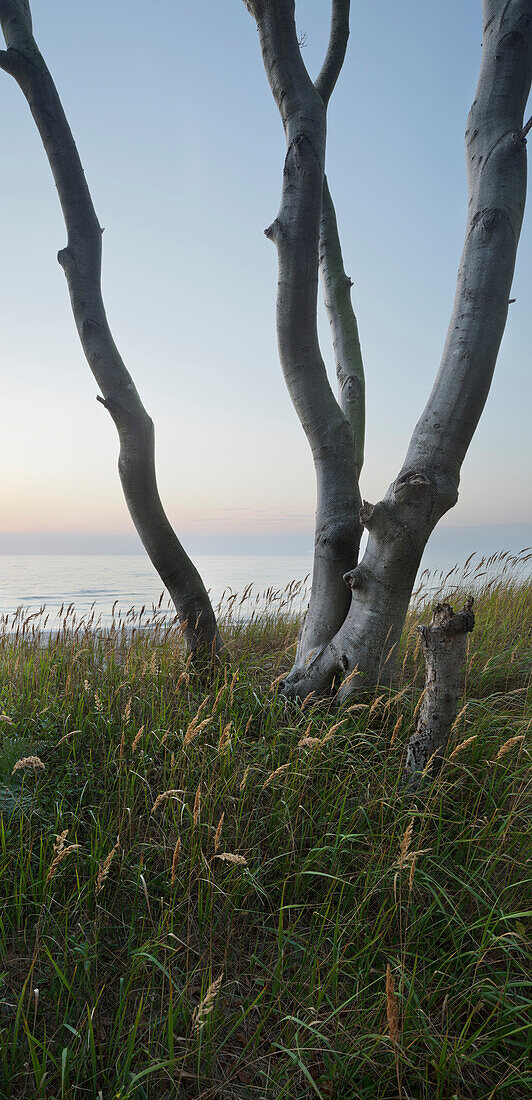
[444, 644]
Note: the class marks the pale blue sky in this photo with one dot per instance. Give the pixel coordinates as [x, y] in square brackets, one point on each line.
[183, 149]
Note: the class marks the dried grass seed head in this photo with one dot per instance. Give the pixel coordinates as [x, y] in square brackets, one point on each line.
[392, 1007]
[175, 858]
[34, 762]
[105, 866]
[206, 1005]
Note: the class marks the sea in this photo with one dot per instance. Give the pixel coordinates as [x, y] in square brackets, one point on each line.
[102, 586]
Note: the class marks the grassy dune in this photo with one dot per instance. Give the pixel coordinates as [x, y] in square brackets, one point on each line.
[210, 894]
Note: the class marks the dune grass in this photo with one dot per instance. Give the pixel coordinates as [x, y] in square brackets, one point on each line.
[206, 893]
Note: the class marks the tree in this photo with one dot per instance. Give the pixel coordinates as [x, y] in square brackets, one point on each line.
[81, 262]
[358, 638]
[357, 608]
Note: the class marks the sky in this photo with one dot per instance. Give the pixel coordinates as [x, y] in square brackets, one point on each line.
[183, 149]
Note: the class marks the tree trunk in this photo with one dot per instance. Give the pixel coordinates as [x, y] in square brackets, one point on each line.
[363, 648]
[296, 234]
[81, 262]
[444, 645]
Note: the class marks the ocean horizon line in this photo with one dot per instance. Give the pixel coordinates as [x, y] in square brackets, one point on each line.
[464, 538]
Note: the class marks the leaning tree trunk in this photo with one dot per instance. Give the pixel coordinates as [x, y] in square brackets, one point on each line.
[444, 645]
[81, 262]
[363, 648]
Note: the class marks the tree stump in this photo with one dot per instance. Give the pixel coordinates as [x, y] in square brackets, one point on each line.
[444, 644]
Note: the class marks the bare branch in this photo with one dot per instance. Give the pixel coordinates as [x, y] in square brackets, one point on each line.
[496, 167]
[337, 296]
[336, 284]
[526, 129]
[81, 262]
[336, 49]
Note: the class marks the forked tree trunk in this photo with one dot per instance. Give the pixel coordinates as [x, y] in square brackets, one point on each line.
[362, 649]
[444, 645]
[296, 234]
[81, 262]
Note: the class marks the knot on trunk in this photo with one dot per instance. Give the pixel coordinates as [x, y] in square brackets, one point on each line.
[408, 488]
[274, 231]
[351, 388]
[115, 409]
[295, 151]
[66, 260]
[366, 513]
[303, 162]
[382, 521]
[355, 578]
[491, 217]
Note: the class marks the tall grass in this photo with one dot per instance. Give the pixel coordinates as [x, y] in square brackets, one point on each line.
[206, 893]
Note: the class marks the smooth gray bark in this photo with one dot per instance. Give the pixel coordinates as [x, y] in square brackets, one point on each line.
[336, 50]
[81, 262]
[344, 329]
[364, 647]
[336, 284]
[444, 645]
[296, 234]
